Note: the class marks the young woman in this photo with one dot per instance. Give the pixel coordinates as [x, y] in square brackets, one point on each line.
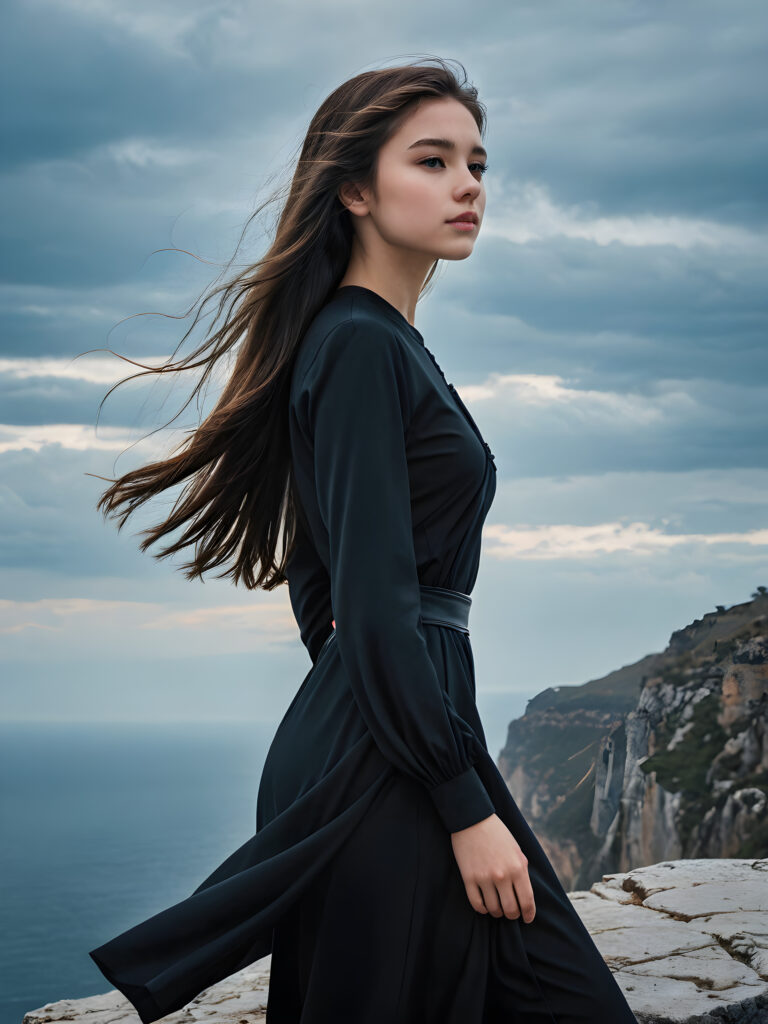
[391, 875]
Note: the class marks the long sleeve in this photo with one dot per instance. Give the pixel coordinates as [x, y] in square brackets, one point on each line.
[309, 592]
[358, 413]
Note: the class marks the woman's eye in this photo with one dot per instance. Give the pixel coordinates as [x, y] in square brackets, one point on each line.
[481, 167]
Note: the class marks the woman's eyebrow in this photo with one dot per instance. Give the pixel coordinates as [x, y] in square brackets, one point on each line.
[448, 144]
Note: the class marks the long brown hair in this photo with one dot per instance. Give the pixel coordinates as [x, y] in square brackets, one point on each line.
[240, 490]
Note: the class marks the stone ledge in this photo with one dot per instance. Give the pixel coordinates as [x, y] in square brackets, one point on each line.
[687, 941]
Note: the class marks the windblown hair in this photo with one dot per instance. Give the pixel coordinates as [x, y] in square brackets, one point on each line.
[239, 493]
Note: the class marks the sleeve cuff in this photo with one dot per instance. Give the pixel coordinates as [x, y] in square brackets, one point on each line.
[462, 801]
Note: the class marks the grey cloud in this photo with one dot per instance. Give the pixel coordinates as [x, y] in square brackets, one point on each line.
[50, 521]
[612, 317]
[80, 82]
[39, 400]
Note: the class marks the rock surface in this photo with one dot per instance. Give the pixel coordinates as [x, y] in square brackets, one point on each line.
[687, 941]
[663, 759]
[241, 999]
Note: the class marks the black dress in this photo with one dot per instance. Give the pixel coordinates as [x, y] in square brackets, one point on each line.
[350, 880]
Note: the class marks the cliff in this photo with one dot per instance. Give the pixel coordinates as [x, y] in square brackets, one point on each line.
[665, 758]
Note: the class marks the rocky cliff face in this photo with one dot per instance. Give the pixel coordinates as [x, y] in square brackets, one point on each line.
[662, 759]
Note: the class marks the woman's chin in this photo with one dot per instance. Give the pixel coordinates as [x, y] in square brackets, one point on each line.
[455, 252]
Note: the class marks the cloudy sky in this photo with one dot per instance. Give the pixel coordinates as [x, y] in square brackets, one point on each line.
[608, 332]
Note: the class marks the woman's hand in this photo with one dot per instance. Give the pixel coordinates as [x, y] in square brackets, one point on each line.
[494, 869]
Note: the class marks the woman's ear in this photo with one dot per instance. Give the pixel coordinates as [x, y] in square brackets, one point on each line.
[353, 198]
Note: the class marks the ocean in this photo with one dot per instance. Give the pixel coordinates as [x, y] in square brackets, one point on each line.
[102, 825]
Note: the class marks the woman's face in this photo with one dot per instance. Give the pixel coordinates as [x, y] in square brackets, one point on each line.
[421, 186]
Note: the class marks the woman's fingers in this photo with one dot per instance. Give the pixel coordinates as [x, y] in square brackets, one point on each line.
[491, 898]
[524, 892]
[508, 899]
[505, 897]
[475, 897]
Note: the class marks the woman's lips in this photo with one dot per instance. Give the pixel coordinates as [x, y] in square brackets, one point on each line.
[464, 225]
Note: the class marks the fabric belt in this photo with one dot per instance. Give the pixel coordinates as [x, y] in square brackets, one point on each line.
[444, 607]
[439, 607]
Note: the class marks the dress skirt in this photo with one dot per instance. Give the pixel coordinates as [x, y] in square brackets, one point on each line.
[387, 934]
[350, 882]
